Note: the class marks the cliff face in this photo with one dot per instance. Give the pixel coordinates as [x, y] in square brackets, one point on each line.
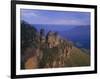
[49, 51]
[55, 51]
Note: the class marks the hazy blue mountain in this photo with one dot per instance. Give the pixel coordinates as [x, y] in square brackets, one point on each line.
[38, 54]
[52, 27]
[79, 35]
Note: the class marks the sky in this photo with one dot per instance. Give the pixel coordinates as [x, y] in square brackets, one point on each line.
[33, 16]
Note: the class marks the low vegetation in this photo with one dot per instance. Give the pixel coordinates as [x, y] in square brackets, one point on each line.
[40, 50]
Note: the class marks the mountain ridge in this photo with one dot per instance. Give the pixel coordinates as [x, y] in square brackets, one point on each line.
[49, 51]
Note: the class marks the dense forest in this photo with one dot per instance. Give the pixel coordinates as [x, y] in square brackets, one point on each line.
[41, 50]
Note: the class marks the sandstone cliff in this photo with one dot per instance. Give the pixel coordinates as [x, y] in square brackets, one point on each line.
[40, 50]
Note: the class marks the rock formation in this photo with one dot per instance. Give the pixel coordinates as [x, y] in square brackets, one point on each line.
[40, 50]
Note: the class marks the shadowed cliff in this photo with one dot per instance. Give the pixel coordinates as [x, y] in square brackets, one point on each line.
[40, 50]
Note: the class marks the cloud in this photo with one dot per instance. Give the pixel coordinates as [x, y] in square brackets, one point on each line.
[67, 22]
[52, 17]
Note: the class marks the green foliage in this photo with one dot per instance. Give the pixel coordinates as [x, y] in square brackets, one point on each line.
[48, 56]
[28, 32]
[78, 58]
[30, 38]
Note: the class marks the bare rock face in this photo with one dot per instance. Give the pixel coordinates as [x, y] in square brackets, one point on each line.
[53, 39]
[51, 52]
[31, 63]
[55, 52]
[48, 51]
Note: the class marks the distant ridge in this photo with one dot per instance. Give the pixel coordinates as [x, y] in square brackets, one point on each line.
[40, 50]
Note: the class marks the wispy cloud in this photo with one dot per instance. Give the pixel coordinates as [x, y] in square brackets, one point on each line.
[54, 17]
